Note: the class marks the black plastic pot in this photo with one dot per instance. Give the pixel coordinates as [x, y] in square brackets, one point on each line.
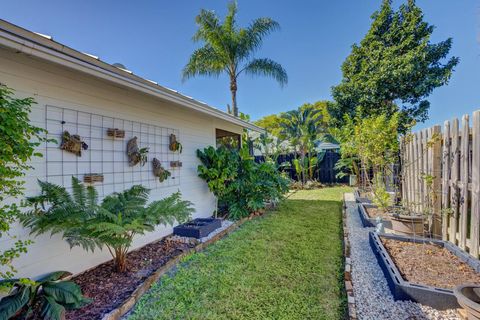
[401, 289]
[197, 228]
[468, 296]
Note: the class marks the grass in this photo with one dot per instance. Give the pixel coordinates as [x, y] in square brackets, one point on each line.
[285, 265]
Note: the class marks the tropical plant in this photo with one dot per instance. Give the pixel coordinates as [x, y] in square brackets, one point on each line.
[240, 183]
[229, 49]
[19, 138]
[51, 295]
[219, 167]
[302, 127]
[113, 223]
[394, 68]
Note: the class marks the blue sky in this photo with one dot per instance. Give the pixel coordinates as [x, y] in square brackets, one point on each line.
[153, 39]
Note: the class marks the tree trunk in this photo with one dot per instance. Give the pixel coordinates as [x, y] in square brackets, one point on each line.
[120, 260]
[303, 166]
[233, 89]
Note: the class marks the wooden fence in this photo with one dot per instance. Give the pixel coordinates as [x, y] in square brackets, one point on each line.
[441, 175]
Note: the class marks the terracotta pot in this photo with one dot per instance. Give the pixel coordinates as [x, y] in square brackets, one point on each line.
[407, 225]
[468, 296]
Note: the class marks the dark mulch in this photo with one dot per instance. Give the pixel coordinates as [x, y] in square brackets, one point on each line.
[429, 264]
[109, 289]
[377, 212]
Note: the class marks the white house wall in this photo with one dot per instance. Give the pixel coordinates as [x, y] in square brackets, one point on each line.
[56, 87]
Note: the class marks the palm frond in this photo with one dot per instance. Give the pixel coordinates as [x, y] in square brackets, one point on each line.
[204, 61]
[269, 68]
[251, 38]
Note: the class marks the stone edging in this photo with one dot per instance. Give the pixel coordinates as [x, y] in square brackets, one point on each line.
[128, 304]
[352, 313]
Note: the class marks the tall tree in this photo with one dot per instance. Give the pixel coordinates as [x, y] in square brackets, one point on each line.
[394, 68]
[229, 49]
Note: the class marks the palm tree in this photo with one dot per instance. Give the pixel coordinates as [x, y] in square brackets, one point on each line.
[302, 127]
[228, 48]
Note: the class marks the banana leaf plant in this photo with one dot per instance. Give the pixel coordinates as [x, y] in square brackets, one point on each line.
[52, 295]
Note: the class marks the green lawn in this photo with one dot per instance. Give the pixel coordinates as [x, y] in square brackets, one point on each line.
[285, 265]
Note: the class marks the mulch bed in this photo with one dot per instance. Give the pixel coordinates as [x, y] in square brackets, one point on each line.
[109, 289]
[377, 212]
[429, 264]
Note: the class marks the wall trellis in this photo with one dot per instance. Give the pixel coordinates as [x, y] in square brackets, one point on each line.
[106, 155]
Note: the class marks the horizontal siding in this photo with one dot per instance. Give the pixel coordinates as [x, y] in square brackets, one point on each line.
[51, 85]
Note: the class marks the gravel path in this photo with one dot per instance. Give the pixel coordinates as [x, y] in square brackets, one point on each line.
[372, 295]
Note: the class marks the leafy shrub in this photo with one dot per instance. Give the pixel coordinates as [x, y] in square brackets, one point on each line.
[245, 186]
[19, 138]
[112, 223]
[49, 293]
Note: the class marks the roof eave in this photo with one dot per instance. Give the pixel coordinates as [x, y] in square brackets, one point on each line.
[22, 40]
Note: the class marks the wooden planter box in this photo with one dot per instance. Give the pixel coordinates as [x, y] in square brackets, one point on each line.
[197, 228]
[175, 164]
[92, 178]
[401, 289]
[115, 133]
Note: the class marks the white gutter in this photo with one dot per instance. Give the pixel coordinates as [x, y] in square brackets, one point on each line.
[32, 44]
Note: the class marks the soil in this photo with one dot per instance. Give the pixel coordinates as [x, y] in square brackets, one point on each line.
[377, 212]
[109, 289]
[429, 264]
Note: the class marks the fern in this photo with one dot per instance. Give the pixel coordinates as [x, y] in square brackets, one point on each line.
[113, 223]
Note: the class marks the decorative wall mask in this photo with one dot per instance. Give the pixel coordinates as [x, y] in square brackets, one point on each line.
[136, 155]
[73, 143]
[115, 133]
[159, 171]
[174, 145]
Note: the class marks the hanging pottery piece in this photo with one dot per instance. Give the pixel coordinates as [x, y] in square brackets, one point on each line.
[73, 143]
[159, 171]
[174, 145]
[136, 155]
[115, 133]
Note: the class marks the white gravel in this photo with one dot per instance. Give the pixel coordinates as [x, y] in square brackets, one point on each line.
[372, 295]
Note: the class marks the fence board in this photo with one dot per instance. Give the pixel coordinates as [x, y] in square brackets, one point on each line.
[454, 175]
[464, 166]
[445, 177]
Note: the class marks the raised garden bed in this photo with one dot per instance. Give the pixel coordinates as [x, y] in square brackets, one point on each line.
[197, 228]
[109, 289]
[360, 197]
[424, 270]
[369, 213]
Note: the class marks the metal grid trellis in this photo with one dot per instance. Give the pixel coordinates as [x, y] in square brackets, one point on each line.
[106, 155]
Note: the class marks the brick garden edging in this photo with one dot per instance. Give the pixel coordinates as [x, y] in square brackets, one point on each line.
[128, 304]
[352, 313]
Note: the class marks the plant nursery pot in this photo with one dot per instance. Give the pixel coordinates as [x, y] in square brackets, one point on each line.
[468, 296]
[407, 225]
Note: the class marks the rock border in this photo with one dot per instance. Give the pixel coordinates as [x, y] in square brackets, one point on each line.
[129, 303]
[352, 310]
